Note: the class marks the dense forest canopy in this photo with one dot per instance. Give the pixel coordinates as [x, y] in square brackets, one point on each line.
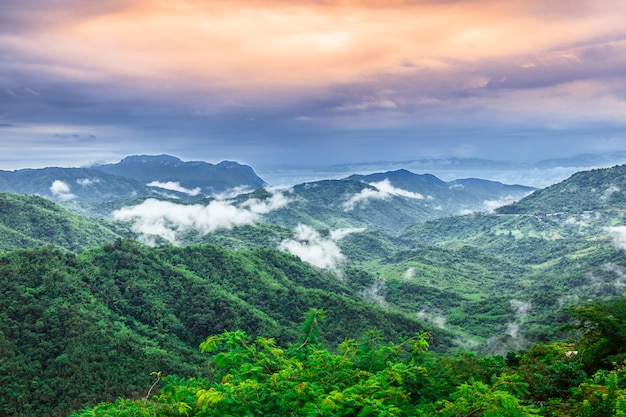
[321, 302]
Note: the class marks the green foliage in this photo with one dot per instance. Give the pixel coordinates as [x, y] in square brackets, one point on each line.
[365, 377]
[61, 347]
[310, 329]
[80, 328]
[30, 221]
[479, 399]
[552, 370]
[603, 328]
[597, 189]
[255, 377]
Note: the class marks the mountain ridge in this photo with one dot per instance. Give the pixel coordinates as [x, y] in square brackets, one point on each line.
[493, 283]
[133, 177]
[208, 177]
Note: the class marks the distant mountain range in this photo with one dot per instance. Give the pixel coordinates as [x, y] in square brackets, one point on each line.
[387, 200]
[488, 282]
[472, 191]
[376, 251]
[390, 200]
[133, 177]
[196, 177]
[576, 161]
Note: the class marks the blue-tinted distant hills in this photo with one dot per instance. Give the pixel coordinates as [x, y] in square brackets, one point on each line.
[451, 196]
[480, 164]
[191, 175]
[65, 184]
[584, 160]
[133, 177]
[390, 200]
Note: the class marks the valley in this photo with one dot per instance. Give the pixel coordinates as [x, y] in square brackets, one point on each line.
[482, 267]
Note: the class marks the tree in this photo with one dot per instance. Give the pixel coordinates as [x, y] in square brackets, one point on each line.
[603, 333]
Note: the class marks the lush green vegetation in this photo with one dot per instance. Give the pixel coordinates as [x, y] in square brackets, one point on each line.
[76, 329]
[31, 221]
[371, 377]
[598, 189]
[87, 317]
[80, 328]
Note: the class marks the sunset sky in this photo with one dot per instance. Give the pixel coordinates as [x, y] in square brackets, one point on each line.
[309, 83]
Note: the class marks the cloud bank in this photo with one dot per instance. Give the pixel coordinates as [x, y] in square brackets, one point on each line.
[87, 181]
[409, 274]
[435, 319]
[521, 309]
[491, 205]
[619, 236]
[170, 220]
[61, 191]
[175, 186]
[384, 190]
[310, 246]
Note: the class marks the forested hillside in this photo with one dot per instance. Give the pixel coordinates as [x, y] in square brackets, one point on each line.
[369, 376]
[88, 316]
[134, 177]
[77, 329]
[31, 221]
[598, 189]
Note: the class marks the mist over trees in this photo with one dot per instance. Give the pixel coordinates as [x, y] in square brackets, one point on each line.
[513, 312]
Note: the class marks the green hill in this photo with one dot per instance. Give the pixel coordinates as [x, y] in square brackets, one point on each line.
[30, 221]
[598, 189]
[65, 185]
[81, 328]
[88, 316]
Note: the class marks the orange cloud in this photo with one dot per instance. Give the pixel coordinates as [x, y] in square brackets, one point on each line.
[282, 42]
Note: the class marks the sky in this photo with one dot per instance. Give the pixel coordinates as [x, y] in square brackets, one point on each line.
[309, 83]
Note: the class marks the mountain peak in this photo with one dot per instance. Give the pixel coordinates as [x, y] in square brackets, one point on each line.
[163, 168]
[398, 175]
[592, 190]
[163, 159]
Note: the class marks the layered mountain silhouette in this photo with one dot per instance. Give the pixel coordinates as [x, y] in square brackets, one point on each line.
[133, 177]
[209, 178]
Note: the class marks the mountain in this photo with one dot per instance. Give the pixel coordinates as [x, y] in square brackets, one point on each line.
[389, 201]
[584, 160]
[482, 164]
[420, 183]
[459, 195]
[196, 177]
[72, 184]
[566, 241]
[31, 221]
[78, 329]
[445, 267]
[598, 189]
[346, 203]
[161, 176]
[424, 164]
[326, 204]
